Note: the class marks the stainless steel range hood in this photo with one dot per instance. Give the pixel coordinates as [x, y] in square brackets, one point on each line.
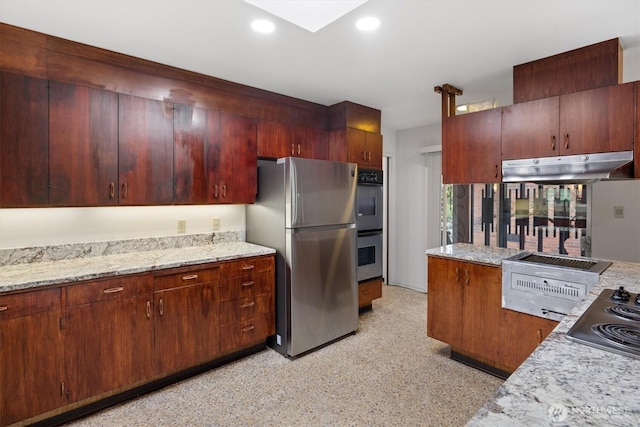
[575, 169]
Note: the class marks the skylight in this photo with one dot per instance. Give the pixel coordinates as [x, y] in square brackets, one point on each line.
[312, 15]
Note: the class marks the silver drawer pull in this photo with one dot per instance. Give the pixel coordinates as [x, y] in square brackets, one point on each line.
[113, 290]
[248, 304]
[190, 277]
[248, 267]
[245, 284]
[247, 329]
[4, 307]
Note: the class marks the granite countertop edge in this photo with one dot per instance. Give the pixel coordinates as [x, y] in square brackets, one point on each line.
[50, 273]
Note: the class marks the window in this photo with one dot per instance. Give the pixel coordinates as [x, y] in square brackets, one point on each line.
[526, 216]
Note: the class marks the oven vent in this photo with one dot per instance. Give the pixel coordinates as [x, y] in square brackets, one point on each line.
[575, 292]
[560, 262]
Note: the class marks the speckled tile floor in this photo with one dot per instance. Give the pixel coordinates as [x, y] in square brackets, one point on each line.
[388, 374]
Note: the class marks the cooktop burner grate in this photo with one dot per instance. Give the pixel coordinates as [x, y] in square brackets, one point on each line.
[622, 335]
[629, 313]
[559, 261]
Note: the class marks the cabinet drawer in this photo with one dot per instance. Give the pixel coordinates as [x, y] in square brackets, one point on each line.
[243, 309]
[247, 286]
[186, 277]
[28, 303]
[238, 335]
[247, 266]
[101, 290]
[368, 291]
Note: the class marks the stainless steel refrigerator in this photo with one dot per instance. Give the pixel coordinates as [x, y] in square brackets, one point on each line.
[305, 209]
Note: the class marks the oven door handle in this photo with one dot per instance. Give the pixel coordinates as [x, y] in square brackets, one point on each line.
[546, 311]
[369, 233]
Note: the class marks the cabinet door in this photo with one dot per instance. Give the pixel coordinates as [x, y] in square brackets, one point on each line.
[598, 120]
[374, 150]
[237, 161]
[310, 143]
[30, 355]
[520, 335]
[108, 336]
[187, 330]
[190, 134]
[273, 140]
[83, 146]
[482, 302]
[24, 144]
[145, 151]
[356, 146]
[444, 302]
[471, 148]
[531, 129]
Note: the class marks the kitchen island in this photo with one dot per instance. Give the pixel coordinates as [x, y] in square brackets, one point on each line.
[563, 382]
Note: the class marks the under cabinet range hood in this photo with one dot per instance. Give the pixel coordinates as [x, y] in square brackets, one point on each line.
[574, 169]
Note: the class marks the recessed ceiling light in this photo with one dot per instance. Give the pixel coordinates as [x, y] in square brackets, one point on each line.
[263, 26]
[367, 24]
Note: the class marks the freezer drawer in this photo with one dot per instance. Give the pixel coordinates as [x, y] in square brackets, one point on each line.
[323, 286]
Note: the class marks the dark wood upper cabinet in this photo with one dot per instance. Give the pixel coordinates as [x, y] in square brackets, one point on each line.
[593, 121]
[191, 135]
[145, 151]
[471, 148]
[589, 67]
[598, 120]
[24, 144]
[274, 140]
[309, 142]
[83, 146]
[233, 161]
[531, 129]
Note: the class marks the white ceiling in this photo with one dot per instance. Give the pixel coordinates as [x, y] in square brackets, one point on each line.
[471, 44]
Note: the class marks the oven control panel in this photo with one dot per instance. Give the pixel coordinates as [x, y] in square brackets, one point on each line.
[369, 176]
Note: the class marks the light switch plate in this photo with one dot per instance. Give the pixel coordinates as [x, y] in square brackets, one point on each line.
[182, 226]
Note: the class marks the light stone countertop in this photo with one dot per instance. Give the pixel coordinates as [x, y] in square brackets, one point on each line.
[28, 275]
[564, 383]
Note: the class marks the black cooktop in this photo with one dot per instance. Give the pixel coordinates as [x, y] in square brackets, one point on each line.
[611, 323]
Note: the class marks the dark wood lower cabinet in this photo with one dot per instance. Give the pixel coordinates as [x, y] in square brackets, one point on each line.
[30, 355]
[464, 309]
[187, 326]
[70, 350]
[108, 335]
[368, 291]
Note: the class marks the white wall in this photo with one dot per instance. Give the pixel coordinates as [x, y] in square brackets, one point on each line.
[408, 185]
[611, 237]
[40, 226]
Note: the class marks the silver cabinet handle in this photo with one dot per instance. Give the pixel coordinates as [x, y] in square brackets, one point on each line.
[113, 290]
[190, 277]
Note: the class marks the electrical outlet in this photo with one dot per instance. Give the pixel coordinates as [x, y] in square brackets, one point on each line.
[182, 226]
[618, 211]
[216, 223]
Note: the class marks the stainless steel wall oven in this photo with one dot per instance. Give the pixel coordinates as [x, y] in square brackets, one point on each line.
[369, 220]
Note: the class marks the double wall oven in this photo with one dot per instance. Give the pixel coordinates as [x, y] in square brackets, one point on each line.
[369, 223]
